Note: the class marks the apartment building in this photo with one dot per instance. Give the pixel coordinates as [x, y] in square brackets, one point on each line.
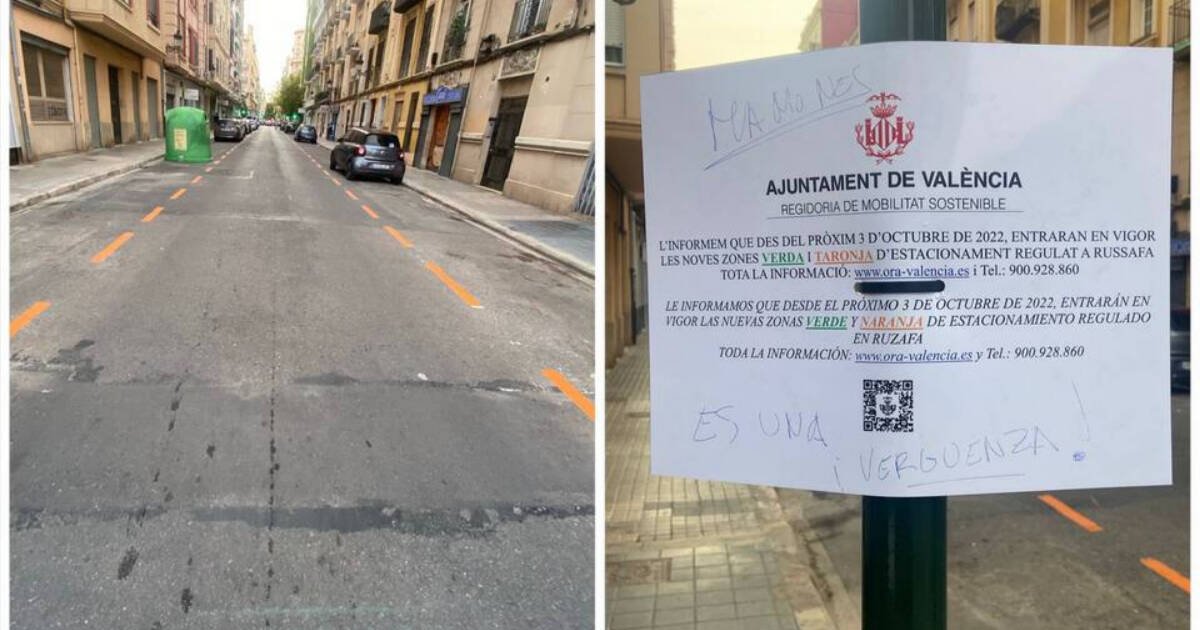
[251, 85]
[203, 54]
[1159, 23]
[491, 92]
[85, 74]
[638, 41]
[295, 58]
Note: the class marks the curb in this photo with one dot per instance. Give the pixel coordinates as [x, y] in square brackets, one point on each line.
[80, 183]
[552, 253]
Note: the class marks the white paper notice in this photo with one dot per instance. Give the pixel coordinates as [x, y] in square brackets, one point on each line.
[912, 269]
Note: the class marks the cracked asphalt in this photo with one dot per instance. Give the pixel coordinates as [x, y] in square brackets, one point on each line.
[264, 409]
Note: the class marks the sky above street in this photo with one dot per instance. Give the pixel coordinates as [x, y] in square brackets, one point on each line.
[710, 32]
[273, 21]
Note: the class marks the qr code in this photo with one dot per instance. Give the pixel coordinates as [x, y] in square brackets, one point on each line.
[888, 406]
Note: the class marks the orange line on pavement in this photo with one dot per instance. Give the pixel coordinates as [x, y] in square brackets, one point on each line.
[196, 179]
[22, 320]
[153, 213]
[216, 161]
[369, 211]
[178, 193]
[585, 405]
[208, 170]
[398, 236]
[335, 181]
[1075, 517]
[458, 289]
[350, 194]
[1168, 574]
[112, 248]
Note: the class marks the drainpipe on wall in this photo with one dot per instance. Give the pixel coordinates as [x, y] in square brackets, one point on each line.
[18, 79]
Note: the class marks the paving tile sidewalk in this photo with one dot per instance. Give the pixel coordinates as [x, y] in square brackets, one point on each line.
[51, 177]
[691, 554]
[569, 239]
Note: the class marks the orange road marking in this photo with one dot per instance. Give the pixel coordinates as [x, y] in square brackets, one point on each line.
[398, 236]
[458, 289]
[585, 405]
[335, 181]
[153, 213]
[112, 248]
[208, 170]
[1168, 574]
[1075, 517]
[22, 320]
[350, 194]
[216, 161]
[368, 210]
[178, 193]
[196, 179]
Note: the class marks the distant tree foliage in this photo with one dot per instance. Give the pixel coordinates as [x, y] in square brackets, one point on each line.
[290, 95]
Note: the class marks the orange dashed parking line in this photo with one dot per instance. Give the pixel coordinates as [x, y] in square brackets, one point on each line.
[350, 194]
[179, 193]
[398, 236]
[196, 179]
[1075, 517]
[369, 211]
[112, 248]
[22, 320]
[152, 214]
[462, 293]
[1167, 573]
[583, 402]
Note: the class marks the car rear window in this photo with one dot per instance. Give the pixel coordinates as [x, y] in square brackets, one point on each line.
[383, 140]
[308, 128]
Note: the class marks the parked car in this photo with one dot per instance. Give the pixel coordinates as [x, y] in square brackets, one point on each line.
[228, 129]
[306, 133]
[1181, 362]
[369, 153]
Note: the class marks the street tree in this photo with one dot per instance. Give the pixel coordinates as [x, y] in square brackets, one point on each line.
[290, 94]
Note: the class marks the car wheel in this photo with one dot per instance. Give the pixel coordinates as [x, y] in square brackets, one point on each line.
[332, 163]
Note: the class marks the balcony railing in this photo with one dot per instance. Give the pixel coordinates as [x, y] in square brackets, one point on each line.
[380, 18]
[1014, 16]
[456, 36]
[1181, 30]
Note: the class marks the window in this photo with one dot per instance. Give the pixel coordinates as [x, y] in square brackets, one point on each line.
[406, 51]
[152, 12]
[614, 34]
[1097, 22]
[208, 9]
[1141, 19]
[423, 55]
[456, 33]
[193, 47]
[46, 83]
[529, 18]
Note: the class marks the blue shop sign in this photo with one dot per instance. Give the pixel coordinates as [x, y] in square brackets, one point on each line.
[444, 95]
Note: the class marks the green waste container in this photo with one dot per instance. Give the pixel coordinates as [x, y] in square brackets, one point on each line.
[187, 136]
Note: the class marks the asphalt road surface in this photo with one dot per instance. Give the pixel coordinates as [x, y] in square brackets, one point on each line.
[267, 407]
[1104, 563]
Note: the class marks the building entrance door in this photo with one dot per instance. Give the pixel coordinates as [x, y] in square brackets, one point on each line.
[114, 101]
[437, 141]
[504, 139]
[93, 102]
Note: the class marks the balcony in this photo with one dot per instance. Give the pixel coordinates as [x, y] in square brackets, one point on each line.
[116, 21]
[380, 18]
[1181, 30]
[1014, 16]
[404, 5]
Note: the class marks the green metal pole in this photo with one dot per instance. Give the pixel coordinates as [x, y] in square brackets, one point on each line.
[904, 540]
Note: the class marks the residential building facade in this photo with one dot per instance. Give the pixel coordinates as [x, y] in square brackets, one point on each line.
[491, 92]
[295, 58]
[1155, 23]
[85, 74]
[638, 41]
[251, 86]
[203, 54]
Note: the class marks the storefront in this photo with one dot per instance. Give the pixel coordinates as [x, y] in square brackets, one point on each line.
[441, 120]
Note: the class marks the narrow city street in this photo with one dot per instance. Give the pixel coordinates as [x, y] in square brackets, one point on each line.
[1111, 559]
[252, 393]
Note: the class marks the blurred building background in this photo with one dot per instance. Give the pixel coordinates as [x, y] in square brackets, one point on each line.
[649, 36]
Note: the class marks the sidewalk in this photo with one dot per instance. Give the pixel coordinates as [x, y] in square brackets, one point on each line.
[568, 239]
[691, 554]
[51, 177]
